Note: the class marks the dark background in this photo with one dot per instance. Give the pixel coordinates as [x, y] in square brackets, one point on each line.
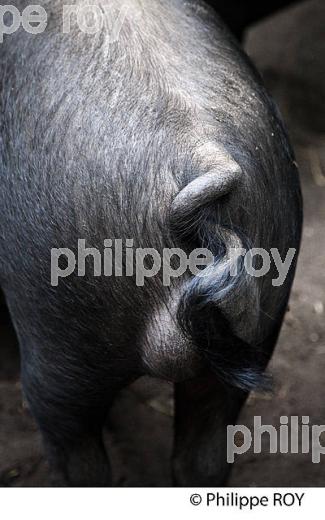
[289, 50]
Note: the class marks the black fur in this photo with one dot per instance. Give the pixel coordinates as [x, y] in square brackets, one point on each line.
[96, 141]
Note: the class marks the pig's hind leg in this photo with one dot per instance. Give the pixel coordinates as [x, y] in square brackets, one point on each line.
[70, 400]
[203, 409]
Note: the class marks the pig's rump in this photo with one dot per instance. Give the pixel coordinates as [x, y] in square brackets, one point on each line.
[165, 136]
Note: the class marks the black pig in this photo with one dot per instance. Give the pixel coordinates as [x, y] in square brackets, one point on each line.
[156, 128]
[239, 14]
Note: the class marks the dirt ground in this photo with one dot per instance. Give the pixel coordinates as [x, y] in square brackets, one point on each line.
[289, 49]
